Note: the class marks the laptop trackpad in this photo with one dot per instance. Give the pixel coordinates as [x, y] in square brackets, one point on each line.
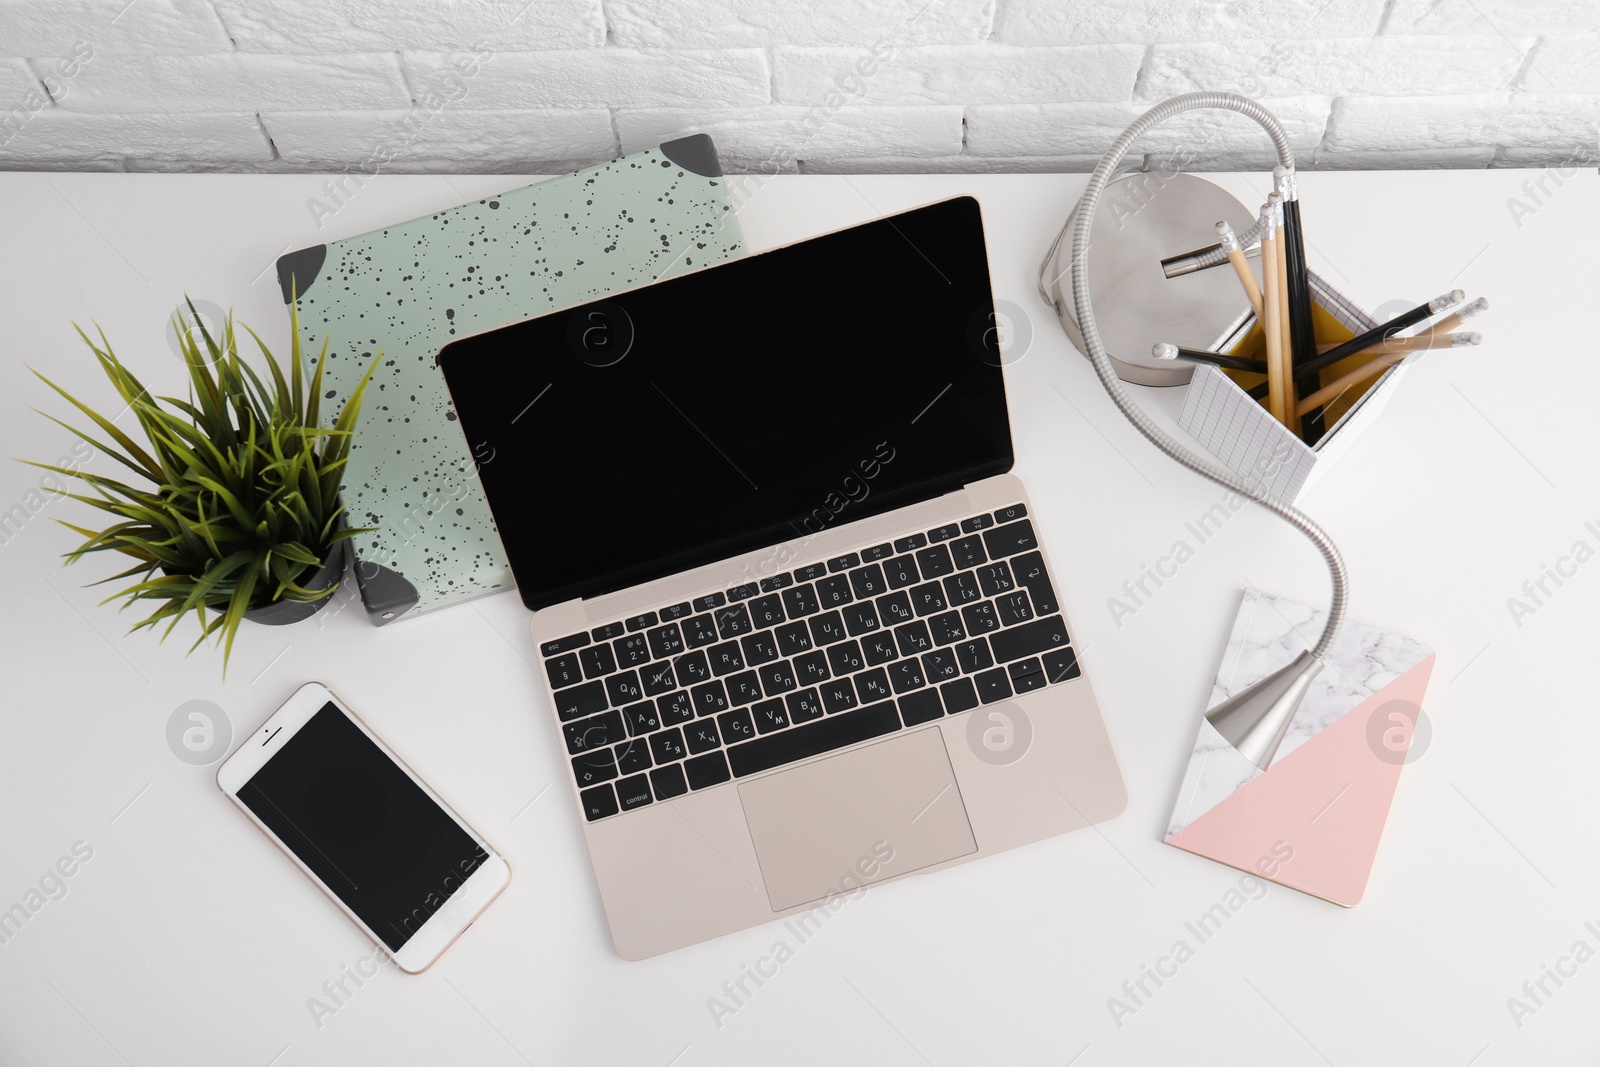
[836, 824]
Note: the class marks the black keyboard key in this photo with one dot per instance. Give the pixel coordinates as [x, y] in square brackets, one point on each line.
[658, 678]
[642, 622]
[940, 666]
[794, 638]
[1009, 540]
[1011, 514]
[778, 678]
[825, 735]
[668, 782]
[1013, 609]
[641, 718]
[743, 592]
[733, 620]
[910, 544]
[1029, 639]
[837, 695]
[736, 726]
[811, 573]
[709, 601]
[992, 685]
[592, 768]
[726, 658]
[804, 705]
[666, 642]
[935, 562]
[563, 671]
[632, 650]
[974, 656]
[877, 552]
[868, 582]
[569, 643]
[834, 592]
[667, 746]
[586, 699]
[675, 708]
[595, 732]
[743, 688]
[895, 608]
[759, 647]
[878, 648]
[1031, 575]
[1061, 665]
[767, 610]
[800, 601]
[959, 695]
[995, 579]
[633, 756]
[968, 552]
[945, 533]
[708, 770]
[597, 661]
[946, 628]
[906, 675]
[901, 572]
[769, 715]
[709, 699]
[776, 582]
[692, 669]
[961, 589]
[812, 668]
[860, 618]
[1027, 675]
[827, 628]
[920, 707]
[701, 736]
[843, 563]
[873, 685]
[624, 689]
[598, 802]
[610, 631]
[677, 611]
[913, 638]
[976, 523]
[927, 599]
[980, 618]
[699, 631]
[845, 658]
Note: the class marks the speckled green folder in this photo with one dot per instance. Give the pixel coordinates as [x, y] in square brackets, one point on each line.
[405, 290]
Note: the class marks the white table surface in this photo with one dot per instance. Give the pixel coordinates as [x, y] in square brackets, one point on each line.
[187, 939]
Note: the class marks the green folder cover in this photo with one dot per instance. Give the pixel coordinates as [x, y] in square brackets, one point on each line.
[398, 294]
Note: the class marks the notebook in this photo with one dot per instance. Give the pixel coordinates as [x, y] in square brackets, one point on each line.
[398, 294]
[1311, 821]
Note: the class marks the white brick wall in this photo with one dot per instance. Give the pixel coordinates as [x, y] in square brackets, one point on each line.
[842, 85]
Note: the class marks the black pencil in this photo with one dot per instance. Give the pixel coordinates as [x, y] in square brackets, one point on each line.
[1302, 332]
[1217, 359]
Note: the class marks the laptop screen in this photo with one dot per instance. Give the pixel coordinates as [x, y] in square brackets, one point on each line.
[743, 405]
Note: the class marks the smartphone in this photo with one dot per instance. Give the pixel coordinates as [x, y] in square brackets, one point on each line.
[364, 827]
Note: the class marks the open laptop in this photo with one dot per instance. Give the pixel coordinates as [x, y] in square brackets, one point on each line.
[798, 623]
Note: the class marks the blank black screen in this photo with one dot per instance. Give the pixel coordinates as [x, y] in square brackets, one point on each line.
[362, 825]
[738, 406]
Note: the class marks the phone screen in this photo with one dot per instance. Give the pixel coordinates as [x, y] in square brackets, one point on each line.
[363, 826]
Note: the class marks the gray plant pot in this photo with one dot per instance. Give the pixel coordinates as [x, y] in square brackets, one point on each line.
[284, 612]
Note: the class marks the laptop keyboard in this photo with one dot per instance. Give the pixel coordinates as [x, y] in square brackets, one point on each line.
[738, 682]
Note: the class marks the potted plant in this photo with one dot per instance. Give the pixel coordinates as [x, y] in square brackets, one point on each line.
[234, 512]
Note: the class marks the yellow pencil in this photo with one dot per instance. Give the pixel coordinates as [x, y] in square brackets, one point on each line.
[1334, 388]
[1272, 303]
[1241, 266]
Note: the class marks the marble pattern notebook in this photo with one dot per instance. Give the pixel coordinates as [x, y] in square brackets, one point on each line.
[406, 290]
[1313, 819]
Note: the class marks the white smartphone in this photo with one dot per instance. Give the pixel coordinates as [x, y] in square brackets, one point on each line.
[364, 827]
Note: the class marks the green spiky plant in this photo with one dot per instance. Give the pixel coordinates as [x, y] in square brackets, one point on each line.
[240, 505]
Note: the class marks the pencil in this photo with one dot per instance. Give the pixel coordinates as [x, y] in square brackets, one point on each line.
[1286, 346]
[1302, 327]
[1422, 342]
[1461, 314]
[1216, 359]
[1241, 266]
[1375, 335]
[1338, 386]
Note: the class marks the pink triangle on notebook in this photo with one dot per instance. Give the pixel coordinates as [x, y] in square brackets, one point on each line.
[1314, 819]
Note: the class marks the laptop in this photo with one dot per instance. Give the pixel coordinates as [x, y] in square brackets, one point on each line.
[796, 620]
